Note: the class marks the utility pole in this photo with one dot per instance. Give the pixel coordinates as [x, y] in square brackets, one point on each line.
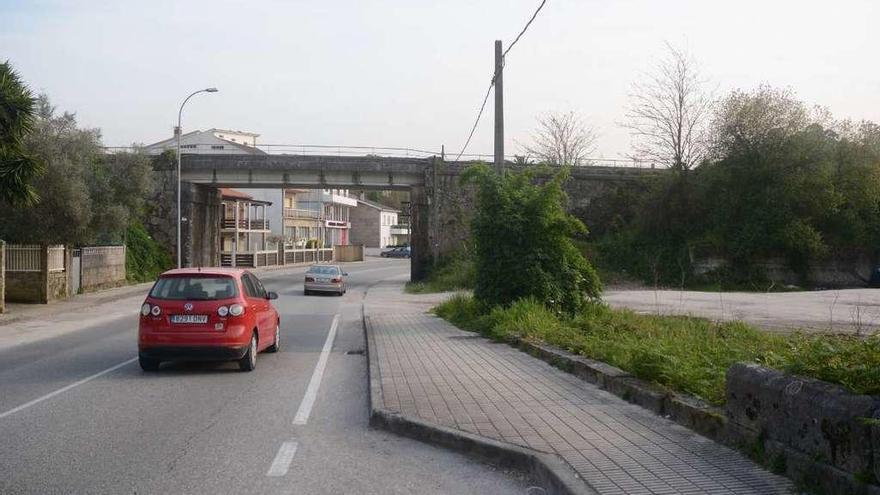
[499, 108]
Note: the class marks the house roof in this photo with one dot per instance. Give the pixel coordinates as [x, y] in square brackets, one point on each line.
[209, 135]
[229, 131]
[378, 206]
[228, 193]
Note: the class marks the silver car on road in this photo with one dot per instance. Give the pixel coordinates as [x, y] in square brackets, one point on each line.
[325, 278]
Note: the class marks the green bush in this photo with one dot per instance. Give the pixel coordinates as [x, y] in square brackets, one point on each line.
[523, 242]
[145, 259]
[686, 354]
[455, 272]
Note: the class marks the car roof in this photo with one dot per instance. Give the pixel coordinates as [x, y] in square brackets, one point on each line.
[331, 266]
[222, 271]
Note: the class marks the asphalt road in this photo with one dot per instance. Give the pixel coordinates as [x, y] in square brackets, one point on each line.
[77, 415]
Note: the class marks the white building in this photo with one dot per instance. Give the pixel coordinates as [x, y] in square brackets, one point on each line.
[211, 141]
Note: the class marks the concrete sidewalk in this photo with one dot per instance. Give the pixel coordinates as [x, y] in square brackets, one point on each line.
[432, 372]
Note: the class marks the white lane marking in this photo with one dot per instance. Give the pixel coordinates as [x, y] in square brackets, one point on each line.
[283, 459]
[65, 389]
[305, 407]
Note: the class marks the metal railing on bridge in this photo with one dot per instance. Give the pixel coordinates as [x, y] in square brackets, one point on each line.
[401, 152]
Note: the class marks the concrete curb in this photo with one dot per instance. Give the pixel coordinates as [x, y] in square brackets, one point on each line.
[547, 469]
[95, 298]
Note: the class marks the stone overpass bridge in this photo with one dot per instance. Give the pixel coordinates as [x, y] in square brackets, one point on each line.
[439, 204]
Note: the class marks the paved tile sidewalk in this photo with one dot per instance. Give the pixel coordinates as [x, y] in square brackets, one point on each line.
[430, 370]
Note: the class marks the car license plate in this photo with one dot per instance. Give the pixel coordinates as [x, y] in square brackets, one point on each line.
[189, 318]
[323, 280]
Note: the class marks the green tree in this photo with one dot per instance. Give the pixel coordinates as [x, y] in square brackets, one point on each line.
[523, 242]
[18, 169]
[86, 196]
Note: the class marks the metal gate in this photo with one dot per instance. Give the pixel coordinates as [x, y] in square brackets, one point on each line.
[75, 272]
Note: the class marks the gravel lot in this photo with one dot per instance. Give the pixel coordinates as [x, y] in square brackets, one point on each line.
[847, 310]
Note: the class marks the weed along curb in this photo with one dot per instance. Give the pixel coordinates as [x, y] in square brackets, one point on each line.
[547, 469]
[818, 434]
[693, 413]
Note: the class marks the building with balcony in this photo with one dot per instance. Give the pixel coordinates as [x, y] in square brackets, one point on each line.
[330, 213]
[211, 141]
[244, 228]
[377, 226]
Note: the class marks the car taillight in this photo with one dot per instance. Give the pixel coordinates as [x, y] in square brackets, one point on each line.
[222, 311]
[236, 310]
[336, 280]
[310, 279]
[145, 309]
[155, 311]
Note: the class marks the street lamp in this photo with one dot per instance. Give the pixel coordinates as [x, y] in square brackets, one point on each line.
[179, 132]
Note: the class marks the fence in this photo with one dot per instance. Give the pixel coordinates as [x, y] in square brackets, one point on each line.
[35, 273]
[23, 258]
[281, 256]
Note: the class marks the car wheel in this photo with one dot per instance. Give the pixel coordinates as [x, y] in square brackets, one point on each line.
[306, 292]
[276, 346]
[148, 364]
[249, 361]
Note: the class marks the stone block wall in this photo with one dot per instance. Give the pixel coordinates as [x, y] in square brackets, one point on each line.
[351, 252]
[852, 269]
[2, 277]
[102, 267]
[202, 208]
[24, 287]
[816, 432]
[365, 226]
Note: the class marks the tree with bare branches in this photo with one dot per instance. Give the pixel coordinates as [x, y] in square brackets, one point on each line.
[669, 113]
[562, 139]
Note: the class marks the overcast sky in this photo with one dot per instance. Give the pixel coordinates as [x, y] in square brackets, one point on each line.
[413, 72]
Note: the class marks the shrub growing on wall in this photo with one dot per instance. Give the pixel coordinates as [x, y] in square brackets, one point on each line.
[523, 239]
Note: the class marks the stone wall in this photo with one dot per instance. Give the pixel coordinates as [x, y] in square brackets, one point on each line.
[593, 192]
[2, 277]
[102, 267]
[161, 215]
[817, 433]
[41, 286]
[202, 208]
[366, 226]
[351, 252]
[844, 269]
[24, 287]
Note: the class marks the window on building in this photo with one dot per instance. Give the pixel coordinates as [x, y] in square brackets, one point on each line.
[188, 146]
[217, 146]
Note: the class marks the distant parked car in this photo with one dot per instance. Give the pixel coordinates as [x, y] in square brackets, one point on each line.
[221, 314]
[400, 252]
[325, 278]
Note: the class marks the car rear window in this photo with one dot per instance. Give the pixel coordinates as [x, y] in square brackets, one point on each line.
[324, 270]
[194, 288]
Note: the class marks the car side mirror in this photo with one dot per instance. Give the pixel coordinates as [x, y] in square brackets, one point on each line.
[271, 295]
[344, 274]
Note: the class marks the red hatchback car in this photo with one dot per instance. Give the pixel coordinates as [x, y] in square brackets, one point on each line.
[207, 314]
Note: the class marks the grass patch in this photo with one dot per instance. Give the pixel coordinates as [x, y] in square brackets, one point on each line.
[686, 354]
[454, 273]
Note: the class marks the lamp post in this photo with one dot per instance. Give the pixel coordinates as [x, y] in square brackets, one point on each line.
[179, 132]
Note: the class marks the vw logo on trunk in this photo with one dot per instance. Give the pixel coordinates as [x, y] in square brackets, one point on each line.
[188, 306]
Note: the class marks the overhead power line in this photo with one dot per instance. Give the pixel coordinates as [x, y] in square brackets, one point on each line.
[494, 75]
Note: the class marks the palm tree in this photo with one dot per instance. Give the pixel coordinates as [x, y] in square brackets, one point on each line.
[18, 168]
